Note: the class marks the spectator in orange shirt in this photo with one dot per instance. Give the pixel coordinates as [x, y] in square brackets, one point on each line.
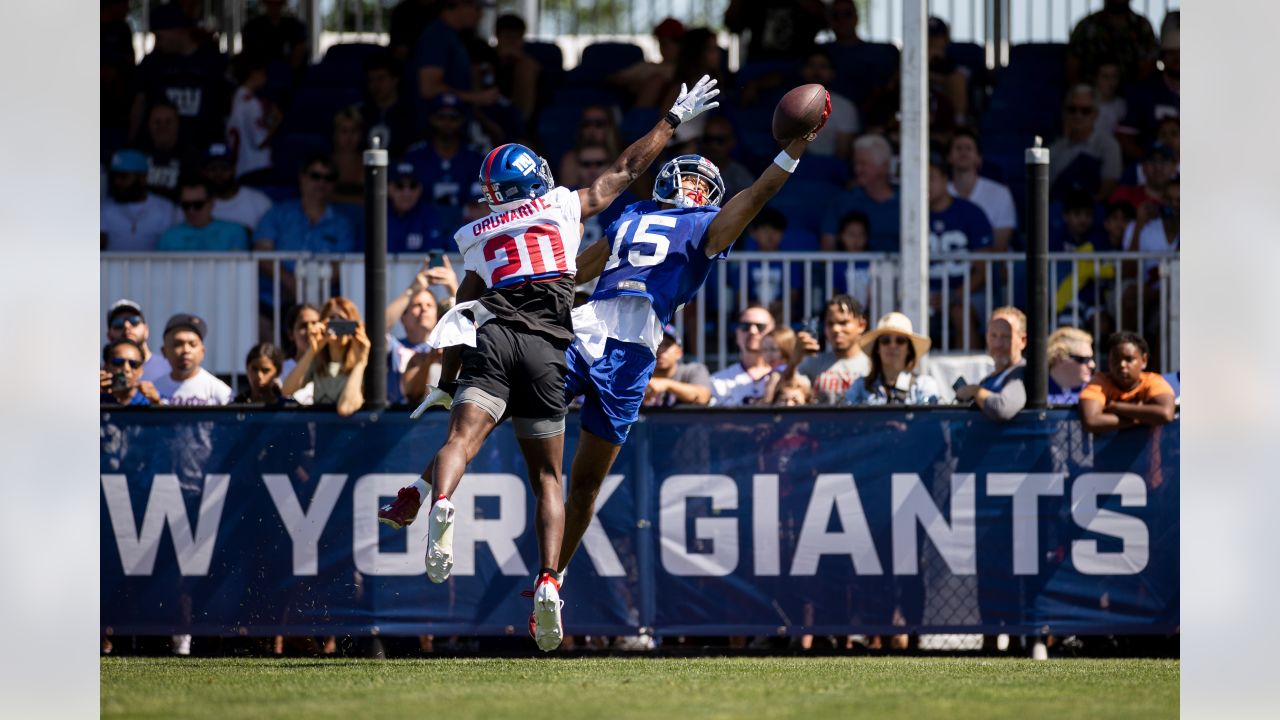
[1126, 395]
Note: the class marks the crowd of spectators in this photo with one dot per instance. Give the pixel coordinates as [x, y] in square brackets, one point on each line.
[209, 153]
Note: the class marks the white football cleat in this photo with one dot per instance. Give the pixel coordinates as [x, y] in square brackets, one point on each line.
[548, 632]
[435, 396]
[440, 540]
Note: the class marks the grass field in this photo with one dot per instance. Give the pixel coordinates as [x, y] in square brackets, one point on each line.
[617, 688]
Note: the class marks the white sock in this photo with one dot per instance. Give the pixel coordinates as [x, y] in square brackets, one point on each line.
[424, 490]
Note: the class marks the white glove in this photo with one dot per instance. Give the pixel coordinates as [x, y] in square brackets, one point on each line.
[692, 103]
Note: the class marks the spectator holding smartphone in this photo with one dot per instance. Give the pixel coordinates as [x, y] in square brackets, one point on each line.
[1126, 395]
[413, 365]
[263, 366]
[335, 361]
[120, 379]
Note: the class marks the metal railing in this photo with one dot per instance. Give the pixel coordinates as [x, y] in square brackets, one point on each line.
[245, 296]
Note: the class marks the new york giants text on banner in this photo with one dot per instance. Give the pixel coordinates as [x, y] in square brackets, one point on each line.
[828, 522]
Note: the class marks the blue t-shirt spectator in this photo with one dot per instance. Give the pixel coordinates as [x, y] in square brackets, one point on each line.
[453, 182]
[440, 46]
[1059, 395]
[137, 399]
[417, 231]
[882, 217]
[286, 224]
[217, 235]
[961, 227]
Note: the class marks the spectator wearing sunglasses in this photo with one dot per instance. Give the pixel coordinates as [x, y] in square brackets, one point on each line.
[412, 225]
[310, 223]
[747, 381]
[120, 379]
[590, 160]
[895, 350]
[1071, 365]
[126, 321]
[448, 170]
[199, 232]
[1081, 158]
[717, 145]
[595, 127]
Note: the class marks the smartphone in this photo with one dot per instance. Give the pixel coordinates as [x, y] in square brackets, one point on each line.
[435, 258]
[342, 327]
[959, 383]
[811, 326]
[119, 381]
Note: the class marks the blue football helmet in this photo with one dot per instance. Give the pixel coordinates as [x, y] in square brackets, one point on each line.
[514, 172]
[667, 188]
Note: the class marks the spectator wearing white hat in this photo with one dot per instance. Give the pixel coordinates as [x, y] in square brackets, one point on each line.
[125, 321]
[131, 218]
[188, 383]
[895, 350]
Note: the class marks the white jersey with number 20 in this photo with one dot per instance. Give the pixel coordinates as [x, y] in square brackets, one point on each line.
[525, 240]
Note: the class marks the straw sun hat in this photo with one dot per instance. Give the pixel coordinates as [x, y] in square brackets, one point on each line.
[895, 323]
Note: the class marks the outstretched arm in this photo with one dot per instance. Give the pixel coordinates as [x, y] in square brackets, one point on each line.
[743, 207]
[591, 261]
[636, 158]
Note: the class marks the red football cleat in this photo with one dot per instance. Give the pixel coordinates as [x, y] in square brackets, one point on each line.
[403, 510]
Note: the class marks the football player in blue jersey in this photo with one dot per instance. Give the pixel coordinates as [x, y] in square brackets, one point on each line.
[652, 261]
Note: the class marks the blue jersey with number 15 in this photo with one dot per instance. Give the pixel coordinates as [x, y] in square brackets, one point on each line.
[657, 254]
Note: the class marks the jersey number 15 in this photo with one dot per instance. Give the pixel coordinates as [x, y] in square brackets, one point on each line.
[641, 248]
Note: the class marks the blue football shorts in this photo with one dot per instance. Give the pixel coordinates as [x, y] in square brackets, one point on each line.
[612, 387]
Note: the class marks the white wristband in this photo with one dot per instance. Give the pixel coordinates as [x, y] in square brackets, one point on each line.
[786, 162]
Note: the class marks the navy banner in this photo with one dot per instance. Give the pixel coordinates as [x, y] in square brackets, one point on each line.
[830, 522]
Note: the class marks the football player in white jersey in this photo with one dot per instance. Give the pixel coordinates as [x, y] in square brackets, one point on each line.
[509, 331]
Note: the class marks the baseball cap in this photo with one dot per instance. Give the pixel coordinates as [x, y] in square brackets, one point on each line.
[187, 321]
[402, 170]
[217, 152]
[669, 332]
[669, 28]
[170, 17]
[128, 161]
[123, 305]
[1159, 149]
[442, 101]
[937, 27]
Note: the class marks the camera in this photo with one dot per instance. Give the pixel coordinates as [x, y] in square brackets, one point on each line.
[342, 328]
[119, 381]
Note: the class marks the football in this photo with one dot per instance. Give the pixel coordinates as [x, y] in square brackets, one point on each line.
[799, 112]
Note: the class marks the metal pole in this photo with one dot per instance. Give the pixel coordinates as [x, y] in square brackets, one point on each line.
[315, 26]
[375, 274]
[914, 170]
[1037, 375]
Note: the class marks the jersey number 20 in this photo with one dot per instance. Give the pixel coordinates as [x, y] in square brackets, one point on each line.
[522, 256]
[641, 248]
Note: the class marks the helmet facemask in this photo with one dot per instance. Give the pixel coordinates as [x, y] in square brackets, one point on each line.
[675, 184]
